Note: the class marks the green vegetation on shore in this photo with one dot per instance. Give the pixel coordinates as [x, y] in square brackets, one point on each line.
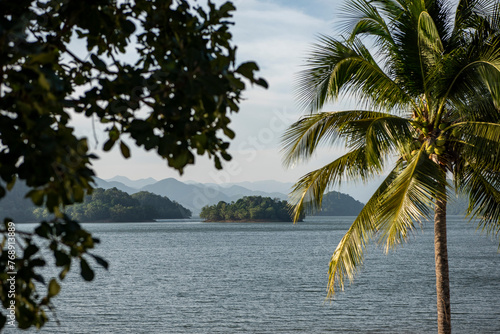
[250, 208]
[117, 206]
[111, 205]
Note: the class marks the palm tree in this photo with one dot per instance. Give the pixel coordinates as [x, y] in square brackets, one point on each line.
[429, 94]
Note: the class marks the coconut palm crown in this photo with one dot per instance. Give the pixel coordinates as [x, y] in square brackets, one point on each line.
[429, 93]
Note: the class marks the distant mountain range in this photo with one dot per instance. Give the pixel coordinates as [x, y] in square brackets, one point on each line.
[193, 195]
[135, 184]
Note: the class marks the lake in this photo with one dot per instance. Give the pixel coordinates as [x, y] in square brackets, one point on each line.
[193, 277]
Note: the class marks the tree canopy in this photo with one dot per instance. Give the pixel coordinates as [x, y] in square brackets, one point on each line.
[428, 89]
[249, 208]
[113, 205]
[160, 74]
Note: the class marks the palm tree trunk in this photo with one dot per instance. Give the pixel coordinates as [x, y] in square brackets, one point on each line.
[442, 275]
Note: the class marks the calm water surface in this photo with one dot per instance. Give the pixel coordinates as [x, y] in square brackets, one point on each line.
[193, 277]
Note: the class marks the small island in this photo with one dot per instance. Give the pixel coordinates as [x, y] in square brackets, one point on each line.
[113, 205]
[249, 209]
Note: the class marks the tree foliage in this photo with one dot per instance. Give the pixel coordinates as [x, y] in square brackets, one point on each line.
[114, 205]
[249, 208]
[431, 89]
[161, 74]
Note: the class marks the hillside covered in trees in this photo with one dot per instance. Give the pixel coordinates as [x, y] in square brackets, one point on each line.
[249, 208]
[339, 204]
[118, 206]
[111, 205]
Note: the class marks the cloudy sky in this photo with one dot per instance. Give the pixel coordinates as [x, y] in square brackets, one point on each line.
[277, 35]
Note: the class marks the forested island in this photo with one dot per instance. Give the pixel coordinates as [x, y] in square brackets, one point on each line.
[249, 209]
[338, 204]
[117, 206]
[111, 205]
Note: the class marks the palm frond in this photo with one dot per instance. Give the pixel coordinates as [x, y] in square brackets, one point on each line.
[363, 18]
[483, 188]
[404, 58]
[478, 106]
[349, 254]
[380, 135]
[480, 144]
[473, 72]
[471, 14]
[491, 80]
[430, 45]
[409, 198]
[307, 193]
[303, 137]
[335, 67]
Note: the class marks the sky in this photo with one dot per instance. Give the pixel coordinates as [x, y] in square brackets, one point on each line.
[277, 34]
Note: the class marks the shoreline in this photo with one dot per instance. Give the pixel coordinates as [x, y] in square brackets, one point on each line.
[248, 221]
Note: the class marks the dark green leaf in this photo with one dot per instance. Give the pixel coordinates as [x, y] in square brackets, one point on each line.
[226, 8]
[125, 150]
[247, 69]
[62, 258]
[86, 272]
[99, 64]
[128, 27]
[100, 261]
[11, 184]
[228, 132]
[263, 83]
[108, 145]
[30, 250]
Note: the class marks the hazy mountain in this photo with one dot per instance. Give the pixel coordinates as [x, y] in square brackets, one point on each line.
[268, 186]
[100, 183]
[196, 195]
[192, 196]
[15, 206]
[137, 184]
[236, 190]
[359, 191]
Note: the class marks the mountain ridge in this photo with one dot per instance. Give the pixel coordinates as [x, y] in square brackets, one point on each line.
[136, 184]
[193, 196]
[15, 205]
